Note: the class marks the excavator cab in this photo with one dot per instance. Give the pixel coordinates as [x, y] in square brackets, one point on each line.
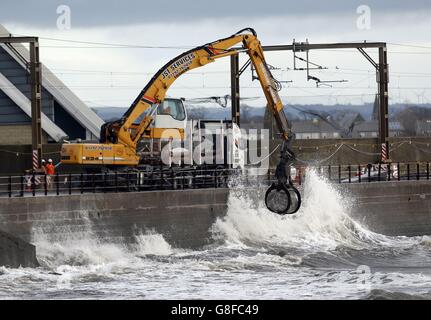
[169, 121]
[171, 113]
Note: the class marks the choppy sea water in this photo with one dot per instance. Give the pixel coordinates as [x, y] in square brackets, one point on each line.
[319, 253]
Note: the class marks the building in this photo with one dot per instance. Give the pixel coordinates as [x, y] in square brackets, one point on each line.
[366, 129]
[370, 129]
[64, 115]
[423, 127]
[314, 129]
[396, 129]
[348, 120]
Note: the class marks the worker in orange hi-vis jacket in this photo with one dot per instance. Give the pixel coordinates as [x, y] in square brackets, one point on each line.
[50, 171]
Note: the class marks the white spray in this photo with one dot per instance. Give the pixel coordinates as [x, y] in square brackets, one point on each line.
[322, 222]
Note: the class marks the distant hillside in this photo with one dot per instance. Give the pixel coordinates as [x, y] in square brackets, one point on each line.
[293, 111]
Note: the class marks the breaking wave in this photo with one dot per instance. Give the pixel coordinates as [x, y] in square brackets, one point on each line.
[321, 234]
[64, 247]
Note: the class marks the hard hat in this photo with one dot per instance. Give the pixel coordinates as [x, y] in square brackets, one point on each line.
[43, 160]
[49, 160]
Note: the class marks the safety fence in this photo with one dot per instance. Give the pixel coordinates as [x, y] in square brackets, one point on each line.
[163, 179]
[370, 172]
[188, 178]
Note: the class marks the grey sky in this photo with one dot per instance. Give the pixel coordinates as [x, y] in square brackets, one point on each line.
[111, 12]
[112, 76]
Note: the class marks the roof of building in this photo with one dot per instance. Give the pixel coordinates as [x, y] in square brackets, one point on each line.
[367, 126]
[24, 103]
[312, 126]
[373, 126]
[348, 119]
[69, 101]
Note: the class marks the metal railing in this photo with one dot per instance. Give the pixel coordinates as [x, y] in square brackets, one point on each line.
[374, 172]
[163, 179]
[189, 178]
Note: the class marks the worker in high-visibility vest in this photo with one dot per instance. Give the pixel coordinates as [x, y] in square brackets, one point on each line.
[50, 171]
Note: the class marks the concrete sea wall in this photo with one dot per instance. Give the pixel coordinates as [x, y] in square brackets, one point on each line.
[401, 208]
[15, 252]
[182, 217]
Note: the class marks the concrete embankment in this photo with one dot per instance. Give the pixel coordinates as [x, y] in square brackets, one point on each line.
[185, 217]
[182, 217]
[399, 208]
[15, 252]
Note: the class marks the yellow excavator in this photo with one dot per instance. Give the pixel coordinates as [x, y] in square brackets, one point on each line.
[119, 139]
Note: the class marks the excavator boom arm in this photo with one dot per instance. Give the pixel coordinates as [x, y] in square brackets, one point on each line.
[119, 138]
[155, 91]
